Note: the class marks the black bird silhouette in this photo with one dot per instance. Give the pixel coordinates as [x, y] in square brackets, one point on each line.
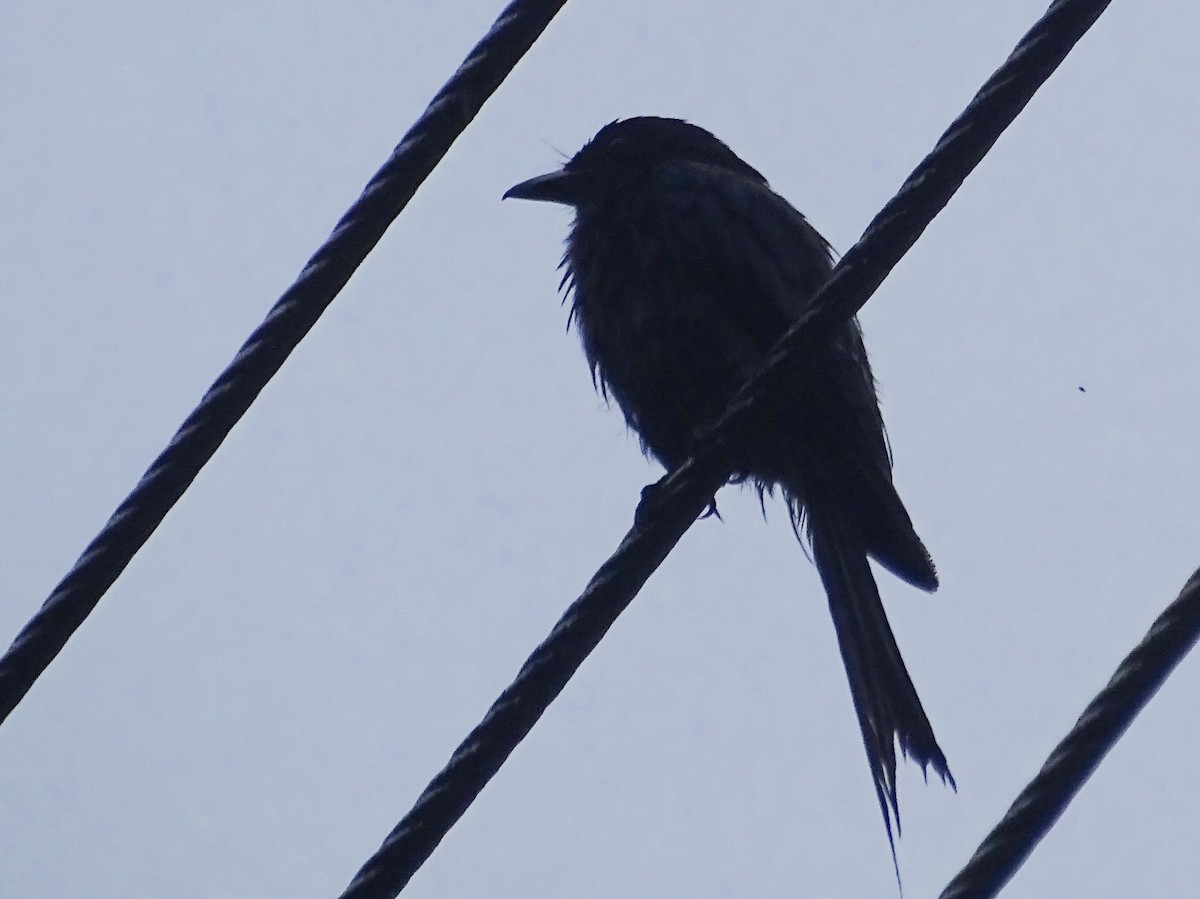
[684, 268]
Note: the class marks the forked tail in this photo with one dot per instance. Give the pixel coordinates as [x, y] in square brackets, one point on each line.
[888, 708]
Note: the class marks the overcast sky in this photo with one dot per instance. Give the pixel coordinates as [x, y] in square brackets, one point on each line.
[411, 503]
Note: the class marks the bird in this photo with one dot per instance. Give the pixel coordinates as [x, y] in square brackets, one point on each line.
[683, 268]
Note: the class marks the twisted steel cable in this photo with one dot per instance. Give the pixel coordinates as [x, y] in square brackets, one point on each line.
[387, 193]
[674, 504]
[1072, 762]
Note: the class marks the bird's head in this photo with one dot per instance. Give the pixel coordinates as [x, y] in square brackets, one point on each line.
[623, 155]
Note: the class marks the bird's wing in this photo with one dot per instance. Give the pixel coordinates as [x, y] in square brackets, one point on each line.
[757, 262]
[763, 245]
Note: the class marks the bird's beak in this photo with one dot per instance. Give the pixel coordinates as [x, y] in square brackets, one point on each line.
[557, 187]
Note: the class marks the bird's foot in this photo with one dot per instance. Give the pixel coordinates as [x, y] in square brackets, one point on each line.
[648, 503]
[652, 497]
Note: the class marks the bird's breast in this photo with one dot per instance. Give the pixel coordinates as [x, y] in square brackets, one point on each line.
[656, 326]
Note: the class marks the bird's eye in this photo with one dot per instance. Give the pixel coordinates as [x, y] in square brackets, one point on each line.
[618, 145]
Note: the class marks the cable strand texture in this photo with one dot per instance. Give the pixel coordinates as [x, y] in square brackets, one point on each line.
[288, 321]
[1073, 761]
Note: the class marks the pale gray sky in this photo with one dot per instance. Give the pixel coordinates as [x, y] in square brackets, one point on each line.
[430, 479]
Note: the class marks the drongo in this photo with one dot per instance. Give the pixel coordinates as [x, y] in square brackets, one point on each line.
[684, 268]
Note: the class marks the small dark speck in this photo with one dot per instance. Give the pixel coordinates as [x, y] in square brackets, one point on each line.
[1081, 390]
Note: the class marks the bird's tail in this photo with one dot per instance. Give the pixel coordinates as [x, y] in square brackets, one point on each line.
[888, 708]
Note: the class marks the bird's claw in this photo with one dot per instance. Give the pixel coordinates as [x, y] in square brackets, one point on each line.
[648, 502]
[652, 497]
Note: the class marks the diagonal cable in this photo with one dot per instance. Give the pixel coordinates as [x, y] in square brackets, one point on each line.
[1072, 762]
[387, 193]
[683, 495]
